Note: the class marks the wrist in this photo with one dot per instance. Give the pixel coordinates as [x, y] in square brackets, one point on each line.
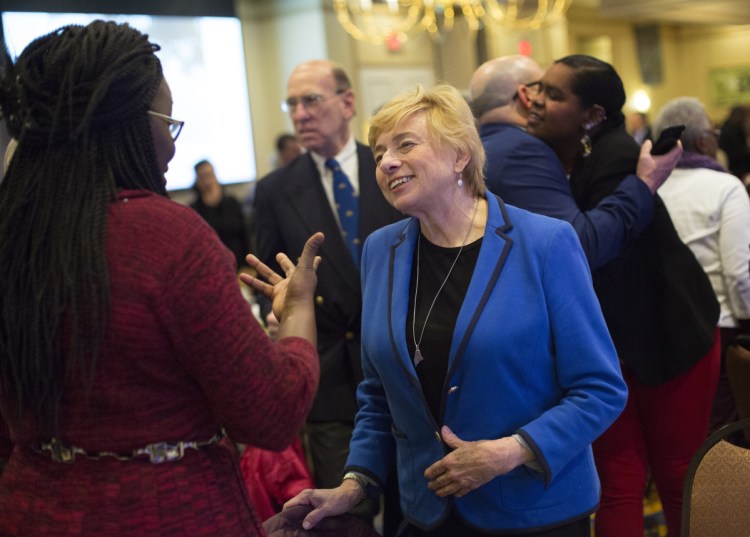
[357, 485]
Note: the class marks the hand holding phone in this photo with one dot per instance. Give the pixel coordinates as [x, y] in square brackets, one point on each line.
[667, 139]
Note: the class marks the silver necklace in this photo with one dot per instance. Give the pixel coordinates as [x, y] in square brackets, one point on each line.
[417, 353]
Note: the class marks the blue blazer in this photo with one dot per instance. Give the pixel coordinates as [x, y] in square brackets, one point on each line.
[530, 355]
[525, 172]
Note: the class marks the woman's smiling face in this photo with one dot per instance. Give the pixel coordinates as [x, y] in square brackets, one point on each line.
[413, 171]
[557, 114]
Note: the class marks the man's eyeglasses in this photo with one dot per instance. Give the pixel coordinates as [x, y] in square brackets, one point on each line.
[713, 132]
[175, 125]
[534, 88]
[309, 102]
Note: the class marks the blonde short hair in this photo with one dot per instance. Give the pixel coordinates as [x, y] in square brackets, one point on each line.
[449, 122]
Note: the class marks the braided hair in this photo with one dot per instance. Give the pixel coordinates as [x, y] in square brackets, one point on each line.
[76, 100]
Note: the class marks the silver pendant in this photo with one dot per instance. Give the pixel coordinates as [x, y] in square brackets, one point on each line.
[417, 357]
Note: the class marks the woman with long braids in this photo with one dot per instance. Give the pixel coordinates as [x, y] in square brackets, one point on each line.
[127, 351]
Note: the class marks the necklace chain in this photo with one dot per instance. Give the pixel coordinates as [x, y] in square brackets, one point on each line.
[417, 353]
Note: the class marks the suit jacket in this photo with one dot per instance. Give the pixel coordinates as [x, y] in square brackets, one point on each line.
[525, 172]
[530, 354]
[658, 302]
[290, 205]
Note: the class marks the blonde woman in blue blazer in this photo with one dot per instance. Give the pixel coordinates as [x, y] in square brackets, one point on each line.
[488, 366]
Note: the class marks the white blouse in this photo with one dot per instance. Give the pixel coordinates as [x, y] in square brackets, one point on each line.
[711, 212]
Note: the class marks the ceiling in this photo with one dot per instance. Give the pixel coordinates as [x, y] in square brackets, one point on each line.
[675, 11]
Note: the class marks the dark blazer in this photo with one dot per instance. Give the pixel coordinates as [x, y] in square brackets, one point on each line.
[525, 172]
[658, 302]
[290, 205]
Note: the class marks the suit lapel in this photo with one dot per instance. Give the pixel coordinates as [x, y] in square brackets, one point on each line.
[492, 256]
[399, 275]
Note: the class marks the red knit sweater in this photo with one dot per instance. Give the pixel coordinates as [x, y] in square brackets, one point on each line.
[185, 357]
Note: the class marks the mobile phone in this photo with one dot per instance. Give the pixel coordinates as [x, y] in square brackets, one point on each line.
[667, 139]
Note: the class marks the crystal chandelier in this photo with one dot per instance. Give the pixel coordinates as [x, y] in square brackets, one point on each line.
[383, 21]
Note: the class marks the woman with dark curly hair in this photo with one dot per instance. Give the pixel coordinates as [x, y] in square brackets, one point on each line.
[127, 351]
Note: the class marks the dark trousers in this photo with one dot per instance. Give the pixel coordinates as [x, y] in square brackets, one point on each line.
[453, 527]
[724, 409]
[327, 444]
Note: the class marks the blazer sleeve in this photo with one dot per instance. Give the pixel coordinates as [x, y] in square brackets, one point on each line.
[372, 448]
[587, 367]
[534, 180]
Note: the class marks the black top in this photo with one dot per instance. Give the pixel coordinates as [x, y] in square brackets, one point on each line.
[658, 302]
[229, 223]
[733, 141]
[434, 264]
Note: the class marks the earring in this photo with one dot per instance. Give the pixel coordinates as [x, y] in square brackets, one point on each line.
[460, 181]
[586, 145]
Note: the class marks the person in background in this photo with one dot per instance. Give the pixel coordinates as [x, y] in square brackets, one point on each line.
[287, 149]
[711, 212]
[658, 302]
[302, 197]
[525, 172]
[734, 140]
[222, 212]
[127, 351]
[489, 415]
[637, 125]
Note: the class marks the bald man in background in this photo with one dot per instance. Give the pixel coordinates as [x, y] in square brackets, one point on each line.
[525, 172]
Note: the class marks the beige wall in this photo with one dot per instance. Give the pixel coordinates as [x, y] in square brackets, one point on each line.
[278, 35]
[689, 53]
[703, 49]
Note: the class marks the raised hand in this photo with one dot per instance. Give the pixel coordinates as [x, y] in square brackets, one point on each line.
[291, 296]
[654, 170]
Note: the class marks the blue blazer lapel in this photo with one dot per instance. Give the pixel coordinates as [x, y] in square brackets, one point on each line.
[399, 275]
[496, 245]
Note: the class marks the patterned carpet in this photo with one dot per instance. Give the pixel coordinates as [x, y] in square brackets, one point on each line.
[653, 517]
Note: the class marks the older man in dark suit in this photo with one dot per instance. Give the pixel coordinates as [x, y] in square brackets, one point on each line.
[299, 199]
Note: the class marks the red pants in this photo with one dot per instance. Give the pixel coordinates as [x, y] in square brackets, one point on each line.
[660, 429]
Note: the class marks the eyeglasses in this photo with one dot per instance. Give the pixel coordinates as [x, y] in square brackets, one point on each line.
[175, 125]
[533, 89]
[714, 132]
[311, 101]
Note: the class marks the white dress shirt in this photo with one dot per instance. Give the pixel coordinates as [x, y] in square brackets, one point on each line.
[347, 159]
